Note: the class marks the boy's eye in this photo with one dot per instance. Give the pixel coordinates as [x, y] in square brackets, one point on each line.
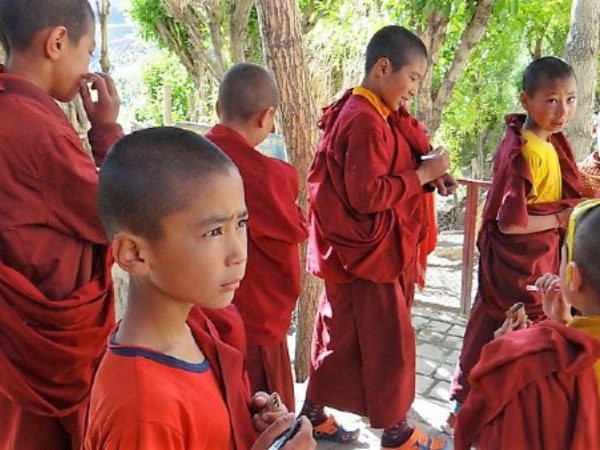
[243, 223]
[214, 233]
[552, 101]
[572, 99]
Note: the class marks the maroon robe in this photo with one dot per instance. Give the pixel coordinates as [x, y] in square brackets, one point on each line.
[271, 286]
[219, 342]
[534, 389]
[56, 301]
[367, 217]
[509, 262]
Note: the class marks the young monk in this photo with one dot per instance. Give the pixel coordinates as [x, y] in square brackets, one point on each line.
[173, 206]
[538, 388]
[535, 183]
[367, 195]
[248, 99]
[56, 304]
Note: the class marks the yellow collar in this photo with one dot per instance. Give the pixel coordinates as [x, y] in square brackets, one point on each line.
[377, 103]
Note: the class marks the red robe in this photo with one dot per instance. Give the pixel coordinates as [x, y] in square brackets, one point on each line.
[534, 389]
[56, 301]
[367, 217]
[269, 291]
[509, 262]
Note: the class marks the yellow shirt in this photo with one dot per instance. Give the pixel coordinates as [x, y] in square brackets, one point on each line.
[546, 175]
[590, 325]
[381, 107]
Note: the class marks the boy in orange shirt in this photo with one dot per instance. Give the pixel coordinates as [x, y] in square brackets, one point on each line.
[173, 206]
[56, 300]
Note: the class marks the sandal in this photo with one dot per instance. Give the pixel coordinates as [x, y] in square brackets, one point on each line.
[420, 441]
[332, 431]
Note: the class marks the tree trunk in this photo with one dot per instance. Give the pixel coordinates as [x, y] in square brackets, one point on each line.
[280, 28]
[581, 52]
[103, 8]
[431, 102]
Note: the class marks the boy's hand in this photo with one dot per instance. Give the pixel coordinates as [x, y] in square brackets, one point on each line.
[434, 167]
[106, 108]
[446, 184]
[554, 304]
[264, 413]
[303, 440]
[516, 319]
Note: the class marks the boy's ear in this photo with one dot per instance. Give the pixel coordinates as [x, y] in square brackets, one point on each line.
[524, 98]
[129, 253]
[56, 40]
[382, 67]
[265, 118]
[576, 283]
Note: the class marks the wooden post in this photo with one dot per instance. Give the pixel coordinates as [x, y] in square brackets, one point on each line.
[468, 249]
[167, 105]
[470, 237]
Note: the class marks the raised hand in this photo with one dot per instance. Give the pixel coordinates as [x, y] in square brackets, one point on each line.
[434, 166]
[554, 304]
[106, 107]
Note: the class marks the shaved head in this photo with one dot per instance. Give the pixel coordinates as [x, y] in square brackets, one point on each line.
[587, 247]
[149, 174]
[396, 43]
[245, 90]
[21, 20]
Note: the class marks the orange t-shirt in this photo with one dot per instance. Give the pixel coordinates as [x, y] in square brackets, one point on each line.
[147, 400]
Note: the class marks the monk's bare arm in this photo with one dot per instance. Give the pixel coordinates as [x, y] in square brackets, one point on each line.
[534, 225]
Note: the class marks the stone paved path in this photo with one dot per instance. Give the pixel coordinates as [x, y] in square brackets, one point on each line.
[439, 339]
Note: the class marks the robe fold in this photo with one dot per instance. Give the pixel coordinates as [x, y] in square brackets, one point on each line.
[534, 389]
[219, 342]
[56, 301]
[367, 217]
[509, 262]
[271, 286]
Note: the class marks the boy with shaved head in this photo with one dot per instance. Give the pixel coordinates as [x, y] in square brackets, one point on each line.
[173, 207]
[538, 388]
[56, 305]
[248, 99]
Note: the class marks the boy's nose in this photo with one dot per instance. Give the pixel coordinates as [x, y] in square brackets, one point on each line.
[238, 251]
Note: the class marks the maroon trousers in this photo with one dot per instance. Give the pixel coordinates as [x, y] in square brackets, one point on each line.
[363, 351]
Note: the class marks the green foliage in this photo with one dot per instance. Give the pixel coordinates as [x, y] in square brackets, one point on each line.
[149, 15]
[164, 69]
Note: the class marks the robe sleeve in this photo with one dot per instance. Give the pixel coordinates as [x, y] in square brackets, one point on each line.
[369, 186]
[69, 186]
[145, 436]
[102, 137]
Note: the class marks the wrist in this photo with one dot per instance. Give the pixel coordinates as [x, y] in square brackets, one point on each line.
[560, 222]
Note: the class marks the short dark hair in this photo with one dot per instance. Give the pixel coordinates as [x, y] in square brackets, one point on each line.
[586, 251]
[543, 70]
[20, 20]
[245, 90]
[147, 175]
[395, 43]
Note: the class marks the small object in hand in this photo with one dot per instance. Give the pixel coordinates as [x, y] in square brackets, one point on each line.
[274, 402]
[516, 313]
[429, 156]
[532, 288]
[286, 436]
